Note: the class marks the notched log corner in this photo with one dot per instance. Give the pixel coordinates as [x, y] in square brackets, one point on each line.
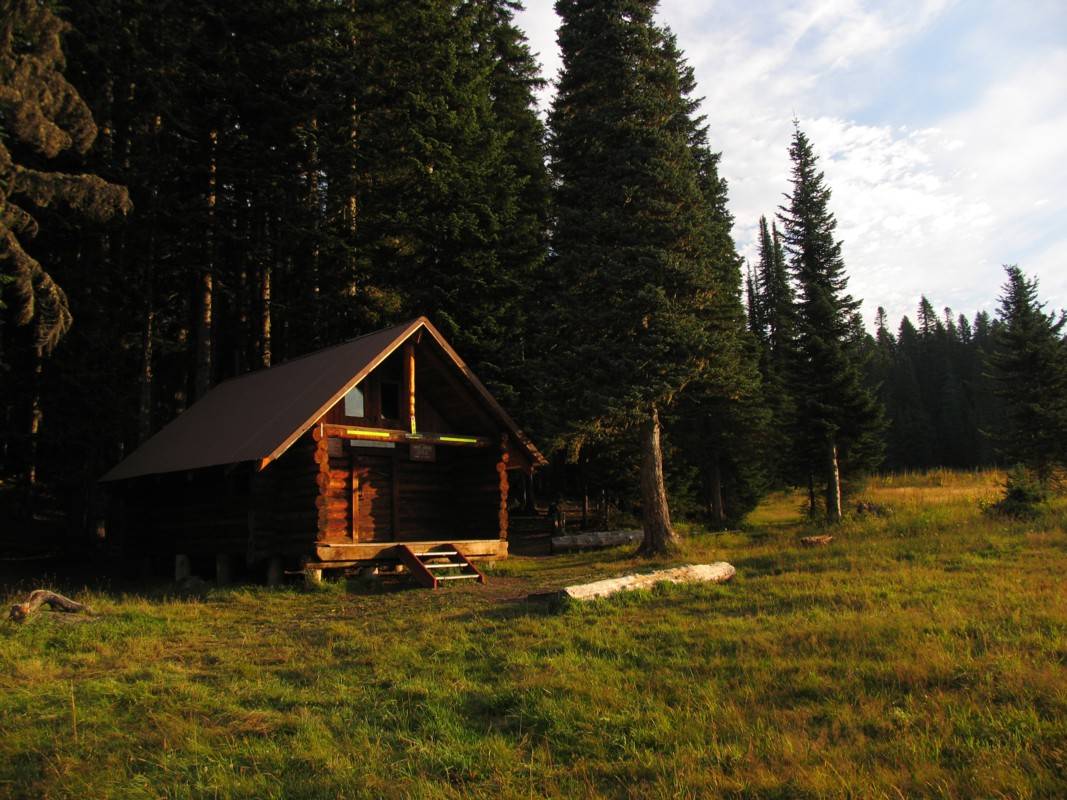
[20, 612]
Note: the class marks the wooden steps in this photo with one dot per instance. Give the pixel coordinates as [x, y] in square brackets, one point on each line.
[443, 563]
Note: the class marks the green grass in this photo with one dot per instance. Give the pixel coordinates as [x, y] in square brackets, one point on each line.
[921, 654]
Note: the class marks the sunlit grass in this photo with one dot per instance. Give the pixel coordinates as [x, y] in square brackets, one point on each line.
[921, 654]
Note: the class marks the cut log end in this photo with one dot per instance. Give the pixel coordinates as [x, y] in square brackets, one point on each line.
[20, 612]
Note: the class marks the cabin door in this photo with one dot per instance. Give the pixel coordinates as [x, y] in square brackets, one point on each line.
[373, 505]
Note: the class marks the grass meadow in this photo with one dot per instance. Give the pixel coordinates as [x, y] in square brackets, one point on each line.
[921, 654]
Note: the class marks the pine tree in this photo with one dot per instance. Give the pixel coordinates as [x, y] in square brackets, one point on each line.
[836, 415]
[634, 291]
[45, 116]
[1029, 367]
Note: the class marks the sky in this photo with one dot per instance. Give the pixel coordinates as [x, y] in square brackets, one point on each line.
[941, 126]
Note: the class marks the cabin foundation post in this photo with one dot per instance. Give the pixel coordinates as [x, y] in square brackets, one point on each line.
[182, 569]
[312, 574]
[222, 569]
[274, 571]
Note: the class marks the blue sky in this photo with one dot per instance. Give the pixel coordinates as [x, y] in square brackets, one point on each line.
[942, 125]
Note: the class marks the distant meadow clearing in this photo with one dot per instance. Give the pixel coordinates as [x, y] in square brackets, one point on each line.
[923, 653]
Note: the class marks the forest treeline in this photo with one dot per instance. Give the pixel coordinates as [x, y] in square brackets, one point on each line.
[300, 172]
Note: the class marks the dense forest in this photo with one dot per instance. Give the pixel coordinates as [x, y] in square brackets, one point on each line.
[194, 190]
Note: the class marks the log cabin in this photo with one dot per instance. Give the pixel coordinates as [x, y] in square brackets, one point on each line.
[383, 450]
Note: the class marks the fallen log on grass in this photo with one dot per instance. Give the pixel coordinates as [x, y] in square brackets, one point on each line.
[719, 572]
[815, 541]
[20, 612]
[589, 540]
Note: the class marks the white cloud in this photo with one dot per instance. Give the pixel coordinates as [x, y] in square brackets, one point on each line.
[930, 205]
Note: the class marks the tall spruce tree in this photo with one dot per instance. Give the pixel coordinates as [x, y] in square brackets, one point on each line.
[633, 289]
[837, 419]
[1029, 366]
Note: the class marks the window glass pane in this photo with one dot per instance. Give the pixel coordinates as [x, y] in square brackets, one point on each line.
[354, 402]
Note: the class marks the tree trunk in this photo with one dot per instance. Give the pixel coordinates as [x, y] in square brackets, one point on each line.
[314, 212]
[36, 416]
[144, 411]
[811, 493]
[148, 330]
[206, 289]
[659, 536]
[833, 486]
[718, 512]
[585, 489]
[265, 311]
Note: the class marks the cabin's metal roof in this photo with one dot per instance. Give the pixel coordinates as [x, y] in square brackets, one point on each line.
[257, 416]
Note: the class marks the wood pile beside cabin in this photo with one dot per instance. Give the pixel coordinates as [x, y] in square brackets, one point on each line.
[331, 460]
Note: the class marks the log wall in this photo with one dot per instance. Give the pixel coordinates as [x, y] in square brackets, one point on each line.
[283, 518]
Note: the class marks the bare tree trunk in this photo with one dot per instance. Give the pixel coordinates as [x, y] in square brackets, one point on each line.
[811, 493]
[659, 536]
[206, 289]
[148, 332]
[36, 417]
[585, 489]
[181, 390]
[833, 486]
[314, 201]
[144, 411]
[264, 314]
[718, 511]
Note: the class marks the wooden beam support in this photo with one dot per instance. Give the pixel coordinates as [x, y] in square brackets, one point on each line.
[409, 382]
[392, 435]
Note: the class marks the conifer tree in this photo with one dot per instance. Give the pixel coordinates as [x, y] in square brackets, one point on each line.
[634, 290]
[836, 415]
[777, 305]
[514, 78]
[724, 418]
[445, 167]
[1029, 367]
[45, 116]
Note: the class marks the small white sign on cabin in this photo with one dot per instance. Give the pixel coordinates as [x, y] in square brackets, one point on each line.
[423, 451]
